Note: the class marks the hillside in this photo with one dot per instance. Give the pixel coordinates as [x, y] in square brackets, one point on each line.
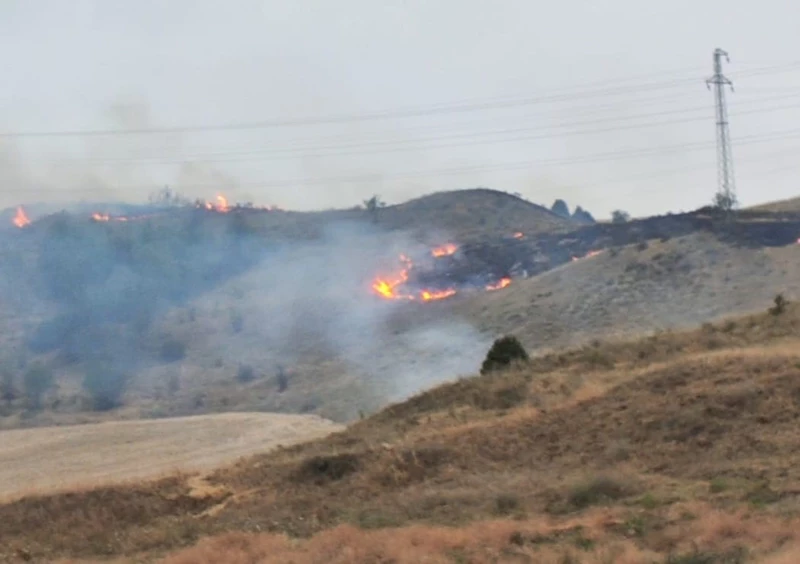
[638, 289]
[790, 205]
[681, 447]
[206, 312]
[467, 215]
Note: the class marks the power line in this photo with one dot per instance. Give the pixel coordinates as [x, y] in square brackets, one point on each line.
[361, 178]
[469, 139]
[439, 109]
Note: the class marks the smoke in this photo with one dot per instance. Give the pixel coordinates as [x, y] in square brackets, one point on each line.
[314, 297]
[304, 301]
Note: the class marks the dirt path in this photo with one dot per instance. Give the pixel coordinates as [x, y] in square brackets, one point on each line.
[55, 458]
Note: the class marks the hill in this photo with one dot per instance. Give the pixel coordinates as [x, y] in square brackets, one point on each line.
[474, 214]
[790, 205]
[214, 310]
[680, 447]
[637, 289]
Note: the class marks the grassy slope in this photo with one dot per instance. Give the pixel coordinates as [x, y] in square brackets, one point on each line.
[673, 284]
[631, 451]
[790, 205]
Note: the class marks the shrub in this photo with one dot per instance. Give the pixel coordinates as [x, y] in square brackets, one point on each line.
[619, 216]
[780, 305]
[283, 379]
[245, 373]
[599, 490]
[172, 350]
[36, 381]
[105, 384]
[505, 351]
[506, 504]
[8, 392]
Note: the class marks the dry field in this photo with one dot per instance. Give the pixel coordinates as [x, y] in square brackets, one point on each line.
[678, 448]
[61, 458]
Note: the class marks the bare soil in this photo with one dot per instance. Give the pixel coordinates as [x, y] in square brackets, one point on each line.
[60, 458]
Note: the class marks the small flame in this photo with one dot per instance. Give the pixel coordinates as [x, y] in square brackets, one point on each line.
[428, 295]
[21, 218]
[590, 254]
[444, 250]
[385, 287]
[519, 235]
[222, 204]
[499, 285]
[101, 217]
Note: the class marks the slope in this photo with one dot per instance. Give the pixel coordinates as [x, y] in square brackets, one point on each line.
[637, 289]
[680, 445]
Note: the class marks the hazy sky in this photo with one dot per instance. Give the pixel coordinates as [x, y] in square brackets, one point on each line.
[601, 103]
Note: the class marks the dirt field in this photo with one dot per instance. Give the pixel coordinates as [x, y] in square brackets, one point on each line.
[46, 459]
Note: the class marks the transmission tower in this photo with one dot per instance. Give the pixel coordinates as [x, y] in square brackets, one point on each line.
[726, 191]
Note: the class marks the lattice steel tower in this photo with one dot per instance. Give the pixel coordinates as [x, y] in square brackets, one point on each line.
[726, 191]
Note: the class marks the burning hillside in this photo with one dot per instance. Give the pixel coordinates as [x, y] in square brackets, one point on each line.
[436, 279]
[20, 218]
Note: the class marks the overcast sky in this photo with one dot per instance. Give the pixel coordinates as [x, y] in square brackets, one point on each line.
[600, 103]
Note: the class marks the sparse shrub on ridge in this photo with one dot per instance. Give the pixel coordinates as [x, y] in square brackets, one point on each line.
[780, 305]
[504, 352]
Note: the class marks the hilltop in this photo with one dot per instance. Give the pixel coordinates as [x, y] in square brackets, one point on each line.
[680, 447]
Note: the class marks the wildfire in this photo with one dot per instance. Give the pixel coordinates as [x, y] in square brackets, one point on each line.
[499, 285]
[444, 250]
[428, 296]
[21, 218]
[590, 254]
[392, 287]
[386, 287]
[519, 235]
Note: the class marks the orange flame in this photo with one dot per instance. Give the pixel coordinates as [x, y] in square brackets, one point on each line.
[499, 285]
[386, 287]
[444, 250]
[222, 205]
[590, 254]
[519, 235]
[21, 218]
[428, 296]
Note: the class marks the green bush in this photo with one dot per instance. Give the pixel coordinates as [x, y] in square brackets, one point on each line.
[504, 351]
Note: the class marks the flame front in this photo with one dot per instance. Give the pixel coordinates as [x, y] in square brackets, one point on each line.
[519, 235]
[21, 218]
[499, 285]
[444, 250]
[386, 287]
[590, 254]
[222, 204]
[430, 295]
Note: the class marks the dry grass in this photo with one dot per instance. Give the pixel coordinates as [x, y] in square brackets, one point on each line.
[680, 446]
[598, 537]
